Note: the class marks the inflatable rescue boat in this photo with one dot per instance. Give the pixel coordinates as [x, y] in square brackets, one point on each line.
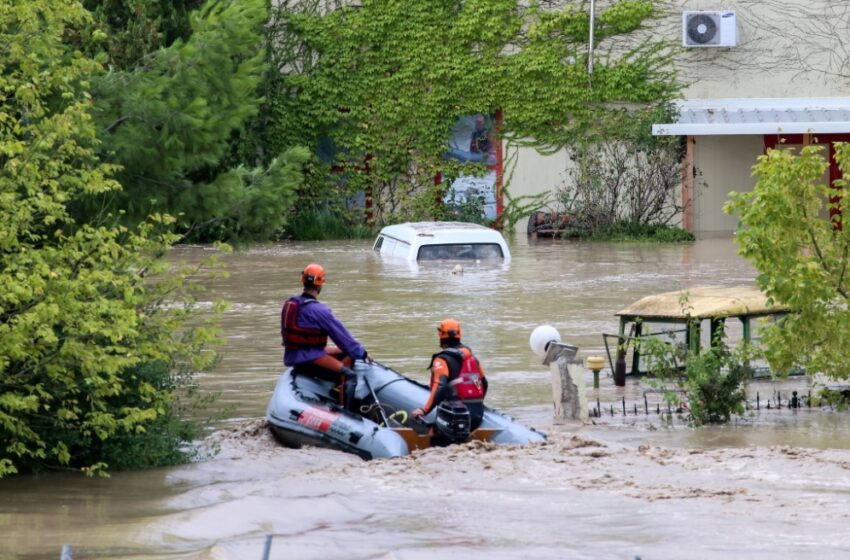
[304, 411]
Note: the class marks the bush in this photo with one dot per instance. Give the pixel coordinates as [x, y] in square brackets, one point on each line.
[315, 225]
[630, 231]
[623, 177]
[713, 381]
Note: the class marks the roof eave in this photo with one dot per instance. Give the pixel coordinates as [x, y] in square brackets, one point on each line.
[743, 129]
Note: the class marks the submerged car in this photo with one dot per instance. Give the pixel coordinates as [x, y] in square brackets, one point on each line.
[424, 241]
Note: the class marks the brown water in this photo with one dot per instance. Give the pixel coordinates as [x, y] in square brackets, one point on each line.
[776, 484]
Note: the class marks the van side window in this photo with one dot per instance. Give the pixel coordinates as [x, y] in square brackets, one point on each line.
[378, 243]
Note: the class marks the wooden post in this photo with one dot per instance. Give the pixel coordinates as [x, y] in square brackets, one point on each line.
[688, 186]
[636, 352]
[692, 335]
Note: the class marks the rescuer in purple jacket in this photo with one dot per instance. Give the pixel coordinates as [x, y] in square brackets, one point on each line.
[306, 324]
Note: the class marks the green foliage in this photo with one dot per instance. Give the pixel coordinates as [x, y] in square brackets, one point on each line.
[517, 208]
[470, 209]
[90, 353]
[134, 29]
[836, 398]
[801, 255]
[549, 96]
[716, 385]
[168, 122]
[380, 85]
[630, 231]
[713, 380]
[315, 224]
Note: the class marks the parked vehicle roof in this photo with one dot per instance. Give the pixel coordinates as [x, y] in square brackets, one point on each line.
[441, 240]
[410, 229]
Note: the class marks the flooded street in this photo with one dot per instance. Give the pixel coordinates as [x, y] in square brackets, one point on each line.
[775, 484]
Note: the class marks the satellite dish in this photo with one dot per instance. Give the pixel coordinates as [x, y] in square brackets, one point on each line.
[541, 337]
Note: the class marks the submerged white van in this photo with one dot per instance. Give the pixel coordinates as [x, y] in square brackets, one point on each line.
[425, 241]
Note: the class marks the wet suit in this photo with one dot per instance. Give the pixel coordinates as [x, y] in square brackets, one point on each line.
[305, 326]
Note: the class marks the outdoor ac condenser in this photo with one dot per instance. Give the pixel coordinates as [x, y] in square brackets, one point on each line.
[709, 29]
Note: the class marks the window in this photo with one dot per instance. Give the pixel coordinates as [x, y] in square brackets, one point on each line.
[378, 243]
[460, 251]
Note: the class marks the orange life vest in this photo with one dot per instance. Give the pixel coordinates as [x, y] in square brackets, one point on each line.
[465, 383]
[296, 337]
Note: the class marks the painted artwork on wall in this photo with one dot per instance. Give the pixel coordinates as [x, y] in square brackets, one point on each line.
[473, 141]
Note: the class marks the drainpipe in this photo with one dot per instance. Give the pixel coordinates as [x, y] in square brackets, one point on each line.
[590, 42]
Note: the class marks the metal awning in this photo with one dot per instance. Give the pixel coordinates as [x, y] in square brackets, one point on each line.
[798, 115]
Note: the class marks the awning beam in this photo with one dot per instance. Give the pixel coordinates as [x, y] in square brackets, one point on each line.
[719, 117]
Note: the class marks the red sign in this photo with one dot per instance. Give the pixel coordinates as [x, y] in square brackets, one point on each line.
[317, 419]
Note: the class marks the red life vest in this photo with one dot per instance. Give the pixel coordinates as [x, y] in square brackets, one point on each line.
[296, 337]
[466, 383]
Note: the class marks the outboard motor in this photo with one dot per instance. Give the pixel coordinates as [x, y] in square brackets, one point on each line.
[453, 421]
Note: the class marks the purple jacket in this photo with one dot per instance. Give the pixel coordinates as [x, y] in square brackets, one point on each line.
[318, 316]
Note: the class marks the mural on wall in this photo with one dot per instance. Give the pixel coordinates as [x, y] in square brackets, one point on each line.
[473, 141]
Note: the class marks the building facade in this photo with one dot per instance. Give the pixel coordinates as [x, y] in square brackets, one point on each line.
[758, 74]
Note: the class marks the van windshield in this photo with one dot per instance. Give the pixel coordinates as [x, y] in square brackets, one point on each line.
[463, 251]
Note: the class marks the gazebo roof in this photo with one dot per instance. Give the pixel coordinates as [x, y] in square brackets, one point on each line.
[703, 303]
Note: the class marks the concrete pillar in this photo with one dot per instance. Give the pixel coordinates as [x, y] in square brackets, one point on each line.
[568, 389]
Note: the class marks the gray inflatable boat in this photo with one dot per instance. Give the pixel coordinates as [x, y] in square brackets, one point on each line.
[304, 411]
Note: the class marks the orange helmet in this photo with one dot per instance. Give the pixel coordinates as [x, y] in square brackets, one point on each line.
[449, 328]
[314, 274]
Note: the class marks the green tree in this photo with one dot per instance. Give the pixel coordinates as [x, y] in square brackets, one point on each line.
[94, 344]
[792, 231]
[136, 28]
[168, 119]
[377, 87]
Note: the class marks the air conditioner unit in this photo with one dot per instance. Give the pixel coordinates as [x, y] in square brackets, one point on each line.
[709, 29]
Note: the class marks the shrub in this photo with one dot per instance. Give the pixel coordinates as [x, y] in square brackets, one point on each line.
[713, 380]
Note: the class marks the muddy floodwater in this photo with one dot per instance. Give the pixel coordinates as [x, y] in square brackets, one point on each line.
[775, 484]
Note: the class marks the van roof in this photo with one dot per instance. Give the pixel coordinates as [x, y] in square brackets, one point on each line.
[410, 237]
[430, 227]
[441, 232]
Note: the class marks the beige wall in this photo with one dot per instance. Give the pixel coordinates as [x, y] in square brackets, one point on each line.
[786, 48]
[723, 164]
[535, 173]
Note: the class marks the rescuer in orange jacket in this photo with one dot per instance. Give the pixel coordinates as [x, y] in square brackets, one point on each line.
[306, 324]
[456, 375]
